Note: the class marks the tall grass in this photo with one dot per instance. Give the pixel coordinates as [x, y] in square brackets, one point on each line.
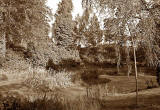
[56, 102]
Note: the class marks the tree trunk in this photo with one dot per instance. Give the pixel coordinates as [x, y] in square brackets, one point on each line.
[2, 48]
[2, 42]
[118, 63]
[118, 57]
[136, 73]
[128, 61]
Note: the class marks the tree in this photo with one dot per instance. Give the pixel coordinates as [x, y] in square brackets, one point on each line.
[95, 34]
[88, 28]
[23, 19]
[82, 24]
[114, 33]
[135, 18]
[2, 48]
[151, 28]
[64, 25]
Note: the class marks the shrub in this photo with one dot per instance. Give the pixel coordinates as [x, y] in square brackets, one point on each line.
[150, 84]
[48, 80]
[92, 77]
[51, 65]
[69, 63]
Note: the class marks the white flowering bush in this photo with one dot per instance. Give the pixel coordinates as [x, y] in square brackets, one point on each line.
[40, 79]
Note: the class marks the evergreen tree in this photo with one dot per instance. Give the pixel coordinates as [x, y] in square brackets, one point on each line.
[89, 28]
[82, 24]
[64, 25]
[95, 34]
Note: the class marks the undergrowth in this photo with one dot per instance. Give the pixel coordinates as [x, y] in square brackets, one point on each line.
[56, 102]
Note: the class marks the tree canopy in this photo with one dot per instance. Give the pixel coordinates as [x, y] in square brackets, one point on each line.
[63, 26]
[24, 19]
[131, 20]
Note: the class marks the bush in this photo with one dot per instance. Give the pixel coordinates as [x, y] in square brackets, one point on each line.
[48, 80]
[50, 65]
[99, 56]
[69, 63]
[92, 77]
[150, 84]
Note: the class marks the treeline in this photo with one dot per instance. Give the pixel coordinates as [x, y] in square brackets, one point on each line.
[127, 25]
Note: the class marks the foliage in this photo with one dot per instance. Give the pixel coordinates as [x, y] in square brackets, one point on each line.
[94, 33]
[133, 21]
[56, 102]
[81, 26]
[88, 28]
[42, 80]
[23, 19]
[63, 26]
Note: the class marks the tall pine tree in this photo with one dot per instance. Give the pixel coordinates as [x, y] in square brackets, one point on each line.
[63, 26]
